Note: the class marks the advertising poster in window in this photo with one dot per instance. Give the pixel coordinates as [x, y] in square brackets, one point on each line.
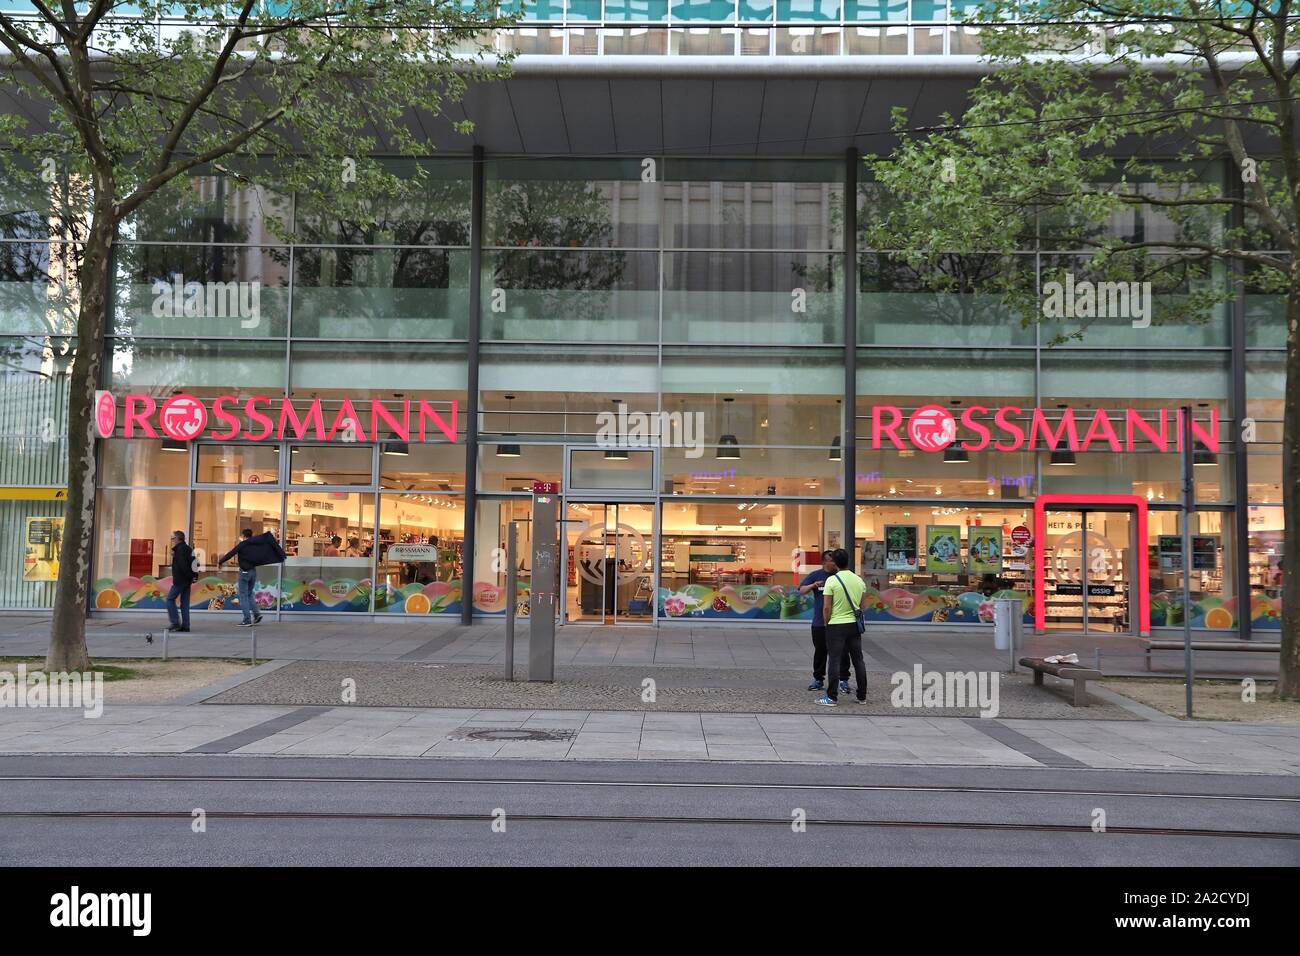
[41, 546]
[985, 550]
[1205, 552]
[900, 547]
[943, 549]
[1170, 550]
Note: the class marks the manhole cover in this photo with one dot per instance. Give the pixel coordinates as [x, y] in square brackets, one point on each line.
[513, 733]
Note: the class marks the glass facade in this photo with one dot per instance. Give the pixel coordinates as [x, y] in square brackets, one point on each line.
[728, 27]
[710, 304]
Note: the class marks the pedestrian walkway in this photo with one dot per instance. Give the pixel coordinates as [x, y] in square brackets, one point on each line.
[437, 640]
[601, 735]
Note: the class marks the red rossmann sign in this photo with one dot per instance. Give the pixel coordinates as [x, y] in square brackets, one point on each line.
[262, 418]
[1010, 428]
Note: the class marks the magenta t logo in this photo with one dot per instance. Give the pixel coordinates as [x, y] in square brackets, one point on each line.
[183, 417]
[932, 428]
[105, 414]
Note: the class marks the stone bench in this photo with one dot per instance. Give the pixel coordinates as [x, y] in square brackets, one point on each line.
[1072, 672]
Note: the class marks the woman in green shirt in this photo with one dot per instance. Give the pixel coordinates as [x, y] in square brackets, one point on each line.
[845, 593]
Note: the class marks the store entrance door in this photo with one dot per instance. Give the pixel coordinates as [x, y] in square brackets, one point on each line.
[609, 562]
[1089, 582]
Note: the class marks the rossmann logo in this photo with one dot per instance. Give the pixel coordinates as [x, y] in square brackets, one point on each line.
[932, 428]
[261, 418]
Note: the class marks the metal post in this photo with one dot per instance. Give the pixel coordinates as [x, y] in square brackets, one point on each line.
[166, 631]
[512, 590]
[253, 658]
[545, 586]
[1189, 504]
[471, 389]
[849, 426]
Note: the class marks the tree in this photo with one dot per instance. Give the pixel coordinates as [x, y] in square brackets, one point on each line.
[136, 97]
[1158, 139]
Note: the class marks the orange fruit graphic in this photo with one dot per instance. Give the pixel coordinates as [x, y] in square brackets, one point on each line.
[108, 599]
[417, 604]
[1219, 618]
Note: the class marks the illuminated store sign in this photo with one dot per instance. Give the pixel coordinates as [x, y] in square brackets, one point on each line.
[1010, 428]
[262, 418]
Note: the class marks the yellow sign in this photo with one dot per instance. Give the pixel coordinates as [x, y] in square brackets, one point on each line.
[41, 549]
[33, 494]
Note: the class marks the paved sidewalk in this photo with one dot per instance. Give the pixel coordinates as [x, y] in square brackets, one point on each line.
[776, 647]
[831, 738]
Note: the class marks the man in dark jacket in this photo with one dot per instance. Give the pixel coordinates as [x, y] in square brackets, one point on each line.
[183, 577]
[247, 577]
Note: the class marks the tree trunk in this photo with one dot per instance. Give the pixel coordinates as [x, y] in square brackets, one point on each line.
[1289, 678]
[67, 650]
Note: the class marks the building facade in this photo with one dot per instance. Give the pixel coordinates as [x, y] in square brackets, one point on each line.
[683, 327]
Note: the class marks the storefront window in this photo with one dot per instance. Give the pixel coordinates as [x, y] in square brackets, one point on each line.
[329, 542]
[331, 465]
[494, 517]
[409, 466]
[420, 554]
[133, 462]
[241, 368]
[929, 563]
[217, 524]
[733, 560]
[133, 531]
[210, 208]
[1214, 604]
[517, 472]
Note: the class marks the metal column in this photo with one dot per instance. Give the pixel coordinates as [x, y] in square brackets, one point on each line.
[849, 439]
[471, 388]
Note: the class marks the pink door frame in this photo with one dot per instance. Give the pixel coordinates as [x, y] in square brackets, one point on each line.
[1135, 503]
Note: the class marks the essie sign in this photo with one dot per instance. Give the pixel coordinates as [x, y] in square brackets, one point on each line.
[263, 418]
[1010, 428]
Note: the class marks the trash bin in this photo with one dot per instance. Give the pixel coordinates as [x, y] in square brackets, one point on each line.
[1007, 614]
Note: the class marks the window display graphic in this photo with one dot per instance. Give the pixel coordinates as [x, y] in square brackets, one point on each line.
[41, 546]
[943, 549]
[900, 547]
[985, 550]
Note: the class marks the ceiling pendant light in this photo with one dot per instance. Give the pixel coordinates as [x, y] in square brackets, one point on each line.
[1063, 457]
[395, 446]
[508, 450]
[728, 447]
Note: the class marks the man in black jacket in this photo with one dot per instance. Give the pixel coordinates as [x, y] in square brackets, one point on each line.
[182, 577]
[247, 577]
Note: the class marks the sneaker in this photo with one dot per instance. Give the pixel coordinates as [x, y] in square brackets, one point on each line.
[180, 630]
[258, 619]
[825, 701]
[844, 687]
[817, 685]
[244, 624]
[859, 700]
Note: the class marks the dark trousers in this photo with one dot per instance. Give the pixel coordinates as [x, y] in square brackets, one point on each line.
[182, 619]
[844, 640]
[819, 655]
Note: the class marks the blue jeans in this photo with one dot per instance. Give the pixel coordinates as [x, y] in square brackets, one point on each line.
[182, 619]
[248, 581]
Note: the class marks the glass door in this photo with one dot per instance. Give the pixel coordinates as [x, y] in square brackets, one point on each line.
[1090, 569]
[609, 562]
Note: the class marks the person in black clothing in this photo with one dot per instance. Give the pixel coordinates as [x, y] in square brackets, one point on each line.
[182, 577]
[247, 578]
[813, 582]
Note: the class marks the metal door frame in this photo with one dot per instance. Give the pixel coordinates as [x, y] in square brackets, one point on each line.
[1141, 580]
